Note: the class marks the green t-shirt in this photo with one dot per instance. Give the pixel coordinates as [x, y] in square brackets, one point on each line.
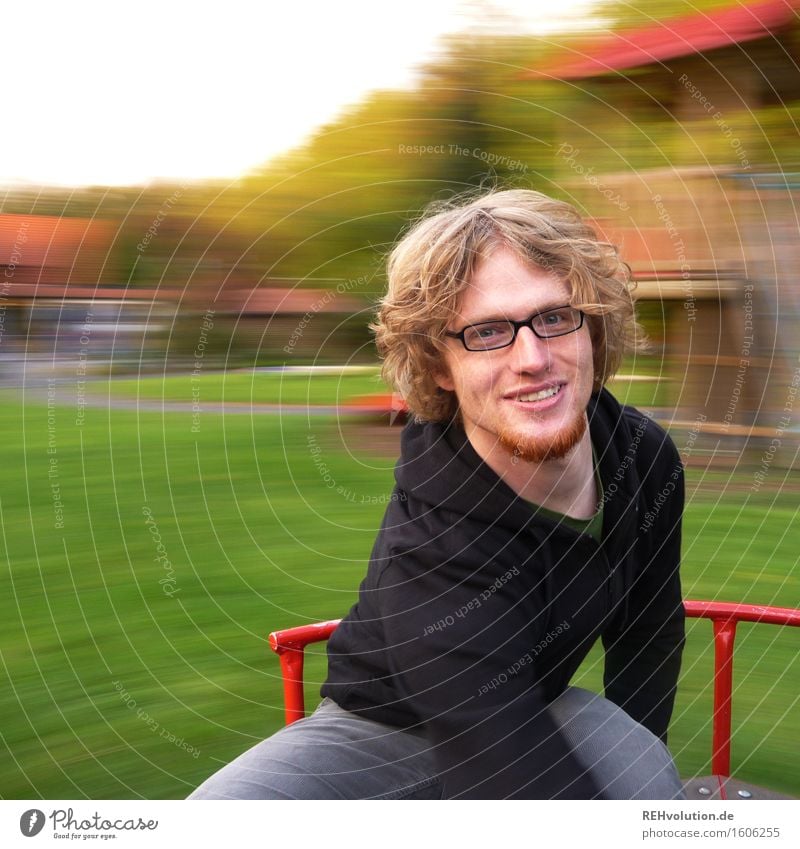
[593, 525]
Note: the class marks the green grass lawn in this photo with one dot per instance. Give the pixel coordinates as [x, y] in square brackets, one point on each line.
[247, 387]
[126, 676]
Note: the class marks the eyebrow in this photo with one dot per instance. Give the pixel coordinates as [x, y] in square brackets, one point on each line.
[506, 318]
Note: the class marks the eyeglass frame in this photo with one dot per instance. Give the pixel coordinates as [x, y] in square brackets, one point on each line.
[517, 325]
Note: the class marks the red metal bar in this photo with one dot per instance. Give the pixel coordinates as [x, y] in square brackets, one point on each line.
[724, 617]
[292, 673]
[743, 612]
[289, 645]
[724, 637]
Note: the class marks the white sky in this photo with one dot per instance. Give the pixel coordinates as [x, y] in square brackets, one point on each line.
[118, 92]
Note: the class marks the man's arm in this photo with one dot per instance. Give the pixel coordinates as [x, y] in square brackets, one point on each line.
[643, 657]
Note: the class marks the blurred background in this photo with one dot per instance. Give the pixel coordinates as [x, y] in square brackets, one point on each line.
[195, 209]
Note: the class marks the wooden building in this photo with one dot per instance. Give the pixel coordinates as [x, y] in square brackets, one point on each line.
[683, 150]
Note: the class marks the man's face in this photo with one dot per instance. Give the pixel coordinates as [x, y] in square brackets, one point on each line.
[529, 399]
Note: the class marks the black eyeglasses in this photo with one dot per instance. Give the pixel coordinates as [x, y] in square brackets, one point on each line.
[489, 335]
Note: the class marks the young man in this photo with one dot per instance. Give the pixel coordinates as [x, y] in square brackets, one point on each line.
[513, 539]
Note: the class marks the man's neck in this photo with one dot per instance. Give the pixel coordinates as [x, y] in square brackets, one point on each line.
[566, 485]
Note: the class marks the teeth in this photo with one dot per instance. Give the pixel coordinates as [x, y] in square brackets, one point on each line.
[540, 396]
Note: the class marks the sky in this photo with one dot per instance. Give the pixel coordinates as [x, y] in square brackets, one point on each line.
[116, 93]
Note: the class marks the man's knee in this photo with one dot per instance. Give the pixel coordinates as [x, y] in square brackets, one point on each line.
[626, 760]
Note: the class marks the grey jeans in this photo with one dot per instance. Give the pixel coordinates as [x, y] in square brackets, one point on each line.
[335, 754]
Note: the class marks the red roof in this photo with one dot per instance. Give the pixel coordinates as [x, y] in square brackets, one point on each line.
[39, 240]
[669, 39]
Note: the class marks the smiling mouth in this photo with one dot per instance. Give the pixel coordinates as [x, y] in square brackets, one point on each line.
[541, 395]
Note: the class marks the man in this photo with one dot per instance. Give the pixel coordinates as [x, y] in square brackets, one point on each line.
[512, 540]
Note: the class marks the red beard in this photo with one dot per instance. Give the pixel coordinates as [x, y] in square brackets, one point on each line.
[537, 449]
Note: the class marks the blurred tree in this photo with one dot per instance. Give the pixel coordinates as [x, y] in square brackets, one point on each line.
[623, 15]
[329, 210]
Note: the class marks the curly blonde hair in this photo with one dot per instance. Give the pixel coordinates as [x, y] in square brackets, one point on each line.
[434, 262]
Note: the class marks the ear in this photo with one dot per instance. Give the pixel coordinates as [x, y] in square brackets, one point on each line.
[441, 375]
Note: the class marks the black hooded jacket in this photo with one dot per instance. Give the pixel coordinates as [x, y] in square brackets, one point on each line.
[477, 609]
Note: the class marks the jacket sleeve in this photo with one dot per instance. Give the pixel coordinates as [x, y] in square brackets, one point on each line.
[643, 656]
[460, 651]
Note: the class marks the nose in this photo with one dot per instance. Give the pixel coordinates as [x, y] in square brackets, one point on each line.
[530, 353]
